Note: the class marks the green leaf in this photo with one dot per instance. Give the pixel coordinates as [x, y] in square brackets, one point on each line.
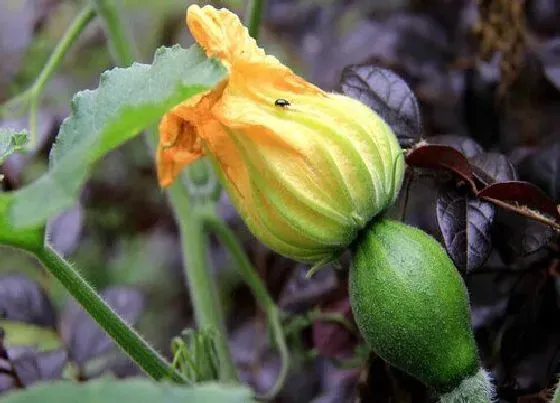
[135, 391]
[11, 141]
[30, 239]
[196, 355]
[27, 334]
[127, 101]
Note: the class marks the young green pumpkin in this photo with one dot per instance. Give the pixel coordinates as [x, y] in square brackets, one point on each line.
[411, 305]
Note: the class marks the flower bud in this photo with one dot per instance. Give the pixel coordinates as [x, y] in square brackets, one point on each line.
[305, 168]
[328, 166]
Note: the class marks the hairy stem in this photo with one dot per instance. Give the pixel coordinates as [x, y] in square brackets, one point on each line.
[524, 211]
[202, 289]
[121, 332]
[476, 389]
[251, 278]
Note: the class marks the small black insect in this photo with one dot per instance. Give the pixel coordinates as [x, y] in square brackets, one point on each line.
[282, 103]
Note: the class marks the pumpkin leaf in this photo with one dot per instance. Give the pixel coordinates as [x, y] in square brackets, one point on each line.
[11, 141]
[127, 101]
[137, 391]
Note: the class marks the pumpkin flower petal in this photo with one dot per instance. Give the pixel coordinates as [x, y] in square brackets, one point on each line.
[221, 35]
[305, 168]
[179, 146]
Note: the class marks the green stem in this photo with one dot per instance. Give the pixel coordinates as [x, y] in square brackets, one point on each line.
[253, 17]
[69, 38]
[556, 397]
[333, 317]
[475, 389]
[229, 240]
[121, 332]
[202, 289]
[19, 101]
[121, 46]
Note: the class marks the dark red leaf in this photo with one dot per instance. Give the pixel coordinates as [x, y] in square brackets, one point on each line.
[493, 167]
[465, 223]
[521, 193]
[526, 239]
[388, 95]
[23, 300]
[465, 145]
[437, 156]
[543, 169]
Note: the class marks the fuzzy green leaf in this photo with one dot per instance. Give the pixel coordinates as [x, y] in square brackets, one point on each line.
[136, 390]
[127, 101]
[11, 141]
[30, 239]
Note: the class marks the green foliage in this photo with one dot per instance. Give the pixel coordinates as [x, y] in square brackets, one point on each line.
[127, 101]
[195, 355]
[137, 391]
[11, 141]
[31, 239]
[27, 334]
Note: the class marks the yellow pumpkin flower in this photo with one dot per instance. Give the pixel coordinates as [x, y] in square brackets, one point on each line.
[306, 169]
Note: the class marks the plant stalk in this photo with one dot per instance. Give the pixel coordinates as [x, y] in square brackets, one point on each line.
[253, 18]
[202, 290]
[476, 389]
[204, 296]
[70, 36]
[226, 236]
[121, 332]
[120, 44]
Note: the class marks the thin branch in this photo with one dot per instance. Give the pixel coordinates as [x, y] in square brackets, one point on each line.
[524, 211]
[33, 94]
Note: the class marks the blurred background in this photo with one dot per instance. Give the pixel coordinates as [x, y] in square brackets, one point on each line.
[487, 78]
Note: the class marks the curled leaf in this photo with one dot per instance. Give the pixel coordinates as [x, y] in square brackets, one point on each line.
[465, 145]
[442, 157]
